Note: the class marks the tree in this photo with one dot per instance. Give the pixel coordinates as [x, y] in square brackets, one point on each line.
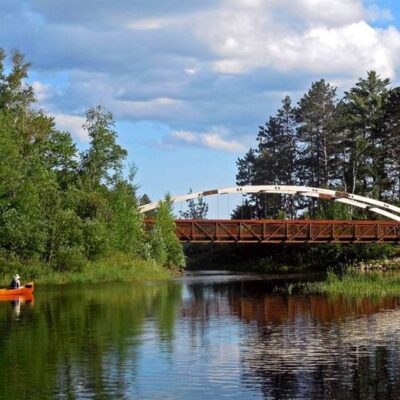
[165, 245]
[362, 122]
[127, 221]
[104, 159]
[349, 145]
[391, 143]
[273, 162]
[315, 115]
[57, 207]
[15, 94]
[317, 139]
[197, 209]
[276, 161]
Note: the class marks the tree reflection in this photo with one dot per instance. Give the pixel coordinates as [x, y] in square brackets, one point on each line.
[80, 340]
[184, 339]
[307, 347]
[317, 347]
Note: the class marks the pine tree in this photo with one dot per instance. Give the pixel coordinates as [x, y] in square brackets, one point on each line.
[317, 145]
[391, 143]
[362, 113]
[276, 161]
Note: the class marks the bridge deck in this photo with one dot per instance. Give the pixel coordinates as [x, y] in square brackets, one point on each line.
[287, 231]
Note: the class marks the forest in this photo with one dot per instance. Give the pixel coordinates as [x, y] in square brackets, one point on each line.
[61, 208]
[348, 143]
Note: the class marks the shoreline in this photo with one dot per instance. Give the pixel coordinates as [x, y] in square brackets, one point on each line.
[115, 268]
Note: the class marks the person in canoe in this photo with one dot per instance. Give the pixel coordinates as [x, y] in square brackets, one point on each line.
[15, 283]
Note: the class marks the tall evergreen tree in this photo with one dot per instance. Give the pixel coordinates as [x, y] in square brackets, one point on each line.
[362, 121]
[317, 139]
[391, 143]
[316, 135]
[273, 162]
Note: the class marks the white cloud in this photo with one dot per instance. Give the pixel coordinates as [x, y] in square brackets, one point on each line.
[216, 139]
[319, 36]
[190, 71]
[72, 124]
[184, 136]
[329, 12]
[42, 91]
[193, 65]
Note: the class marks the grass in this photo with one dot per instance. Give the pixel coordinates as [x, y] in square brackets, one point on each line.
[115, 268]
[357, 284]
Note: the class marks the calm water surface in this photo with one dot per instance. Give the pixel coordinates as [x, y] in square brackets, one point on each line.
[207, 336]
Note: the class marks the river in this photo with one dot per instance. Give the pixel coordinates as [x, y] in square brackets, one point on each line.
[204, 336]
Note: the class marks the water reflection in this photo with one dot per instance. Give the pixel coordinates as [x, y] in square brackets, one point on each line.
[307, 347]
[200, 337]
[18, 301]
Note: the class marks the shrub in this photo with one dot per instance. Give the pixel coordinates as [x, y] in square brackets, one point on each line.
[69, 259]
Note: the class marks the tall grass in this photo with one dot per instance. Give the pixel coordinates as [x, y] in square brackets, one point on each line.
[358, 284]
[118, 267]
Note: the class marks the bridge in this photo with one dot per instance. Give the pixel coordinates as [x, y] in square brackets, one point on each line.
[287, 231]
[290, 231]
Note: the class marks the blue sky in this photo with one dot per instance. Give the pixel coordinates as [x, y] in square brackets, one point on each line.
[189, 82]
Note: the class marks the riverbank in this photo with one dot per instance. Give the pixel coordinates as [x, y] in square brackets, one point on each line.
[115, 268]
[354, 284]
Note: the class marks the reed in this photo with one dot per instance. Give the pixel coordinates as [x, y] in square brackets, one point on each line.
[115, 268]
[357, 284]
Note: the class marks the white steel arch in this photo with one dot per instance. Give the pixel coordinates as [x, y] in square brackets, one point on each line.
[376, 206]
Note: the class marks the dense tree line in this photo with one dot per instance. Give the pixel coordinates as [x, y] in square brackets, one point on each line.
[349, 144]
[61, 206]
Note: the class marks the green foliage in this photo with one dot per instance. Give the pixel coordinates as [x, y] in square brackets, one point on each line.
[166, 248]
[15, 95]
[350, 144]
[59, 208]
[104, 160]
[197, 209]
[69, 259]
[128, 226]
[272, 162]
[358, 284]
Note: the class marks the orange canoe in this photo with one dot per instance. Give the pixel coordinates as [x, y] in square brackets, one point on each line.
[23, 290]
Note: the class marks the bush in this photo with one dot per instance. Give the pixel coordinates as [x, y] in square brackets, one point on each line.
[69, 259]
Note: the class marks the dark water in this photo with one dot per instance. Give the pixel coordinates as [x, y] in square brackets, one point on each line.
[202, 337]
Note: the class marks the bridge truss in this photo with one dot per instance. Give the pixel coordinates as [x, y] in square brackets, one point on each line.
[286, 231]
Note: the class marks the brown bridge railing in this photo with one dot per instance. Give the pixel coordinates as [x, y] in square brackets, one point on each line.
[286, 231]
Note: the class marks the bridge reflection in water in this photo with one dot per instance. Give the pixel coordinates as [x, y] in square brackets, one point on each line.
[287, 231]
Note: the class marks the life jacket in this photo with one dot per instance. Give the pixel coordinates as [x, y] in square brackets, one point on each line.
[14, 284]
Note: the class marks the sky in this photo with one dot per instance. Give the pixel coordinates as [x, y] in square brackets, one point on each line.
[190, 81]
